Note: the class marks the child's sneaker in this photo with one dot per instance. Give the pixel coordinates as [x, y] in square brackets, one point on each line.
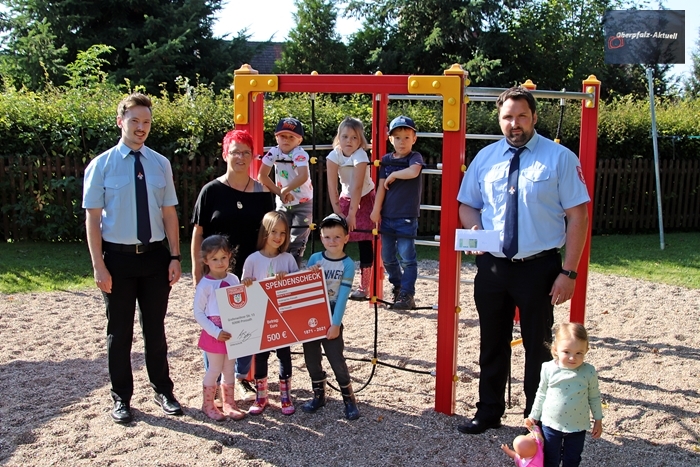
[404, 302]
[246, 391]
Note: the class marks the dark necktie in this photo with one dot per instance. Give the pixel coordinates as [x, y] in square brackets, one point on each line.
[143, 220]
[510, 227]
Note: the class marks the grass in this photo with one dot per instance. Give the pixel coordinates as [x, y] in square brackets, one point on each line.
[41, 267]
[641, 257]
[37, 267]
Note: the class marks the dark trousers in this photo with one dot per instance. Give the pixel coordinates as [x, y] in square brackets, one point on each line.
[334, 353]
[284, 355]
[136, 278]
[366, 253]
[499, 286]
[564, 448]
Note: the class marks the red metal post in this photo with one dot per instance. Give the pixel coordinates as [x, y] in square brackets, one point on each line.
[380, 104]
[453, 149]
[587, 154]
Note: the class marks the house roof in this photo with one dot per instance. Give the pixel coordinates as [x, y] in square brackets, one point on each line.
[267, 54]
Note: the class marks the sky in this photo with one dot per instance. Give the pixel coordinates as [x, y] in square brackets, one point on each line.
[267, 19]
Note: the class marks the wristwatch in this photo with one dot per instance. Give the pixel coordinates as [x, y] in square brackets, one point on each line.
[179, 258]
[569, 274]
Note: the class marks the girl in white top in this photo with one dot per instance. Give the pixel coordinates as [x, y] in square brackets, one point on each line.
[348, 162]
[216, 258]
[271, 260]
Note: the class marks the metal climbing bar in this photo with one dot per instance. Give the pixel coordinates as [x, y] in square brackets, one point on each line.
[495, 92]
[427, 243]
[467, 136]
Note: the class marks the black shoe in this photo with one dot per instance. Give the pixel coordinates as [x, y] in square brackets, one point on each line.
[121, 413]
[476, 426]
[168, 403]
[404, 302]
[395, 294]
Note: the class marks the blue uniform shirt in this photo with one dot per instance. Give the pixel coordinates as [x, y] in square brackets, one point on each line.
[109, 184]
[550, 181]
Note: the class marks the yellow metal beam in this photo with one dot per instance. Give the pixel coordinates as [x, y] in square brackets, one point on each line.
[449, 87]
[247, 81]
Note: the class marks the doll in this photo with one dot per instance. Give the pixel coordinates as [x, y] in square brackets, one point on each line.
[527, 449]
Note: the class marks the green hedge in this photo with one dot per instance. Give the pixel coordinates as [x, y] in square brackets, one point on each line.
[69, 127]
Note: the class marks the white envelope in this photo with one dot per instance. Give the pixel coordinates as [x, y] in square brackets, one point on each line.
[478, 240]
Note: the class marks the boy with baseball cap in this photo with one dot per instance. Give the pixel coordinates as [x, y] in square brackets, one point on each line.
[292, 183]
[397, 207]
[339, 271]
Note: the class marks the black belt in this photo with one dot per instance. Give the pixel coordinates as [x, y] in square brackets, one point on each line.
[136, 249]
[541, 254]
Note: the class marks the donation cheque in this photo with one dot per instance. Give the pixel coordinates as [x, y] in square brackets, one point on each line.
[271, 314]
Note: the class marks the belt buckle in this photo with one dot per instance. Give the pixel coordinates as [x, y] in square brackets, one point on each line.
[140, 249]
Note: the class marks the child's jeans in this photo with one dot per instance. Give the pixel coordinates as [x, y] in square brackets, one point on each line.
[406, 250]
[299, 218]
[562, 447]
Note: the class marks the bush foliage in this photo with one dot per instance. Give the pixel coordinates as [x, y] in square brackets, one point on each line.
[66, 128]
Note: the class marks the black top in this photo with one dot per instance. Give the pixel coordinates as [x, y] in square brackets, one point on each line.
[222, 210]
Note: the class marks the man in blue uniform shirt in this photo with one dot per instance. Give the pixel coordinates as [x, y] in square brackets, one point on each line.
[532, 190]
[130, 199]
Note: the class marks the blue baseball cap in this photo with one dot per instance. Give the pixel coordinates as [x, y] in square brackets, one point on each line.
[290, 125]
[402, 122]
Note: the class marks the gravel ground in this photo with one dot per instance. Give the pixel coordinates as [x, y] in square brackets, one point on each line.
[54, 389]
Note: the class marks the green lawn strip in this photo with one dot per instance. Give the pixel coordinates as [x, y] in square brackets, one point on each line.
[641, 257]
[41, 267]
[30, 267]
[36, 267]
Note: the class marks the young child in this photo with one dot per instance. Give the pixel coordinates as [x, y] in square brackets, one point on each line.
[216, 257]
[527, 449]
[293, 188]
[397, 206]
[348, 162]
[271, 260]
[339, 271]
[568, 392]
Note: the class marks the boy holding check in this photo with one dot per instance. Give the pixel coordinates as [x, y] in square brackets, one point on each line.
[339, 271]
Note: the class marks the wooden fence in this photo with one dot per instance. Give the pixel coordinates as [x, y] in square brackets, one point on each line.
[35, 193]
[625, 195]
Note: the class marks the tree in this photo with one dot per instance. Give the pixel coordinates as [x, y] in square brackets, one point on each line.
[313, 44]
[692, 83]
[34, 59]
[556, 43]
[154, 41]
[401, 36]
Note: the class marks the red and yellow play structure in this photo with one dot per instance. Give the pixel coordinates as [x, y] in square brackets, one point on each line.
[452, 86]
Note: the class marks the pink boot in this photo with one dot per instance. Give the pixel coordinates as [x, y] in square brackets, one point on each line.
[208, 407]
[363, 292]
[286, 397]
[218, 398]
[230, 408]
[260, 397]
